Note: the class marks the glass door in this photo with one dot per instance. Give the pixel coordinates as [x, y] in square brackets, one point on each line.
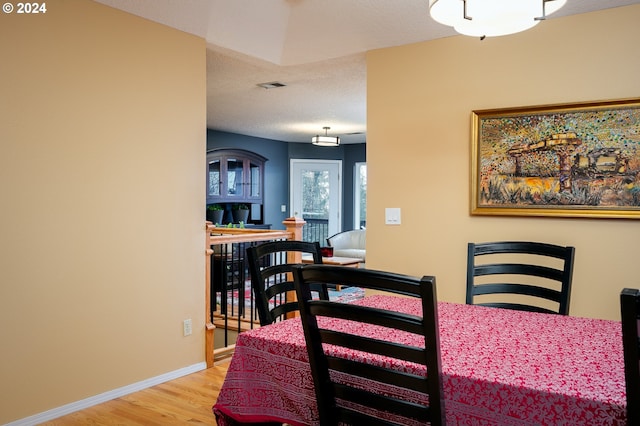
[214, 180]
[235, 179]
[316, 197]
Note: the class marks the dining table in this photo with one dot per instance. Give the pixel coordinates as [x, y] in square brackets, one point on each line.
[499, 367]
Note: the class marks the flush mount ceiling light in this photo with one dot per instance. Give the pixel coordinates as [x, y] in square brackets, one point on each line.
[325, 140]
[492, 18]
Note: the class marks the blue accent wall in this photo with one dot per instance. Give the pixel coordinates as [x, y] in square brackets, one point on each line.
[276, 171]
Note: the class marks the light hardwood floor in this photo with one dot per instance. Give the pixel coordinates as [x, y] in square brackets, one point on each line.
[186, 400]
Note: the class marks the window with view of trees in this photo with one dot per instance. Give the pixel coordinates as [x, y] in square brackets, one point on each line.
[315, 207]
[360, 195]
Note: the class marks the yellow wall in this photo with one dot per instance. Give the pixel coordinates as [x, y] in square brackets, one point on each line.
[103, 132]
[420, 99]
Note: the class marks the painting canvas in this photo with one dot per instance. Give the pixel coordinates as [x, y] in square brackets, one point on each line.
[562, 160]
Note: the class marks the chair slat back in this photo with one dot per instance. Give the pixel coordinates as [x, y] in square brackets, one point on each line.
[342, 402]
[630, 314]
[552, 283]
[271, 279]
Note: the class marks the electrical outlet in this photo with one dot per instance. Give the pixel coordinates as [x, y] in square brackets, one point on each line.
[186, 327]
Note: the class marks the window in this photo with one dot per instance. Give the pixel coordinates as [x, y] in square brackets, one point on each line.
[360, 196]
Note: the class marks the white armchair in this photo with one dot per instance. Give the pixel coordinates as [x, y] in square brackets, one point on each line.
[349, 244]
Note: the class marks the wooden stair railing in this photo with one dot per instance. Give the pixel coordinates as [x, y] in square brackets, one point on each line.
[222, 235]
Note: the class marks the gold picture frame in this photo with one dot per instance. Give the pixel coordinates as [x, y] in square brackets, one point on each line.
[569, 160]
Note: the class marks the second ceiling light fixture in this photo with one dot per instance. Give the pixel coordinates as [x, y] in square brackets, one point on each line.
[325, 140]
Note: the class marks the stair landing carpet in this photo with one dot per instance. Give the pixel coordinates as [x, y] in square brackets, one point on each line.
[345, 295]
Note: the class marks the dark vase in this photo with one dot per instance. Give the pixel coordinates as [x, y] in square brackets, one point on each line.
[215, 216]
[240, 215]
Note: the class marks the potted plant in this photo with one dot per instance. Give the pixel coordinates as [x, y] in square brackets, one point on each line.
[215, 212]
[240, 213]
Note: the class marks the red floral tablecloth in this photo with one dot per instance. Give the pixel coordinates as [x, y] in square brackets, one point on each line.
[500, 367]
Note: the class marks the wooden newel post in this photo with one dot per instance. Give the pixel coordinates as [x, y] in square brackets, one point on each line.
[209, 329]
[294, 228]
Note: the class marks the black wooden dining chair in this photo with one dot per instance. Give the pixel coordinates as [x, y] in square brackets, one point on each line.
[271, 279]
[630, 313]
[338, 401]
[536, 272]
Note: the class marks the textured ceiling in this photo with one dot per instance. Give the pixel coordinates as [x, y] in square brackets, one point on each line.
[315, 47]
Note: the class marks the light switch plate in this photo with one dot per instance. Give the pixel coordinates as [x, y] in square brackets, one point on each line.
[392, 216]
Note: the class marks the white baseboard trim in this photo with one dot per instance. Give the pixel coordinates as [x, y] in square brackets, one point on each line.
[106, 396]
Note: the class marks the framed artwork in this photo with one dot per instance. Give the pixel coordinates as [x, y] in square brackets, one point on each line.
[572, 160]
